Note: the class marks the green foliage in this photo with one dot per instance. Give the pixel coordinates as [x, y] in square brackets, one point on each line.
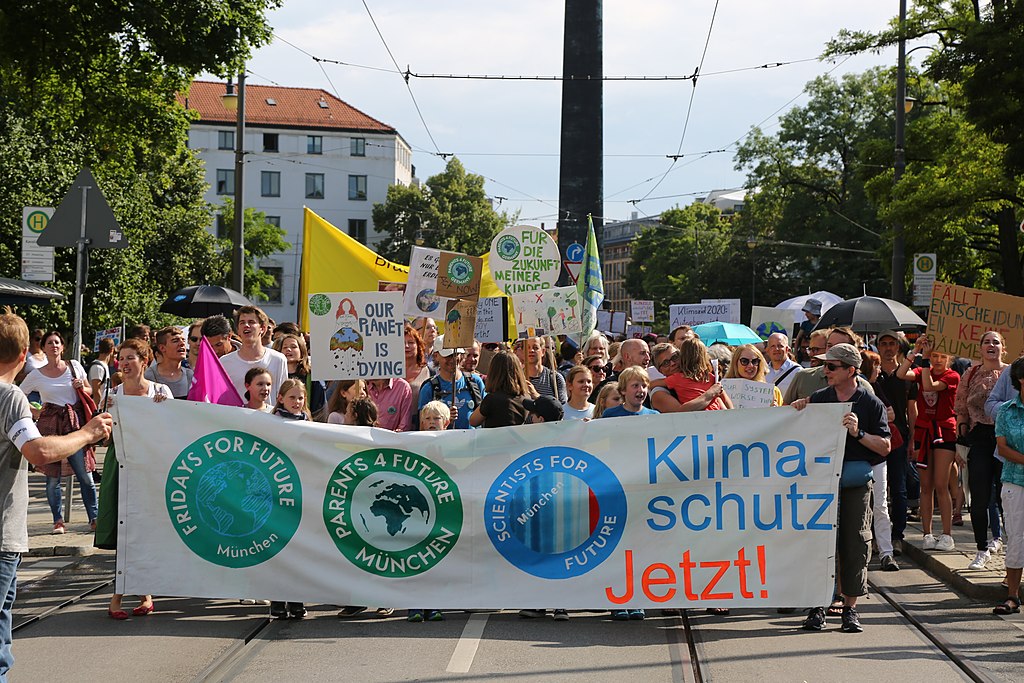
[260, 239]
[450, 211]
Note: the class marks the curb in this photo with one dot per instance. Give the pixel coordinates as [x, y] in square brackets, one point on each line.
[60, 550]
[987, 590]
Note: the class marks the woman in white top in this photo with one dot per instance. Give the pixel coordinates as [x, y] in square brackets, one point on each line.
[57, 383]
[131, 358]
[580, 384]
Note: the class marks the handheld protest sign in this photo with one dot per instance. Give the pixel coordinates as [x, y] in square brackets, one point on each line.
[491, 320]
[959, 316]
[524, 258]
[641, 311]
[547, 311]
[459, 323]
[356, 335]
[458, 276]
[421, 297]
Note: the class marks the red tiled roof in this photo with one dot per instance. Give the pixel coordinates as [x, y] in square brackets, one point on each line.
[296, 107]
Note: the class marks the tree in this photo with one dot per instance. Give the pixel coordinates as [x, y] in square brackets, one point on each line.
[450, 212]
[261, 239]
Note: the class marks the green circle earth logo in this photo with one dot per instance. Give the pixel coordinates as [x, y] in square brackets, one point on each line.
[319, 304]
[392, 513]
[234, 499]
[460, 270]
[508, 248]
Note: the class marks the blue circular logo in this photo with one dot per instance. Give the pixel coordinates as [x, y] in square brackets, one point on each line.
[574, 253]
[556, 512]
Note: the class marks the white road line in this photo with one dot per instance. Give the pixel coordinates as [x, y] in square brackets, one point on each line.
[465, 650]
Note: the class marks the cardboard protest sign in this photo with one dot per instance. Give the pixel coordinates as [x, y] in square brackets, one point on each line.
[459, 323]
[547, 311]
[356, 335]
[698, 314]
[421, 297]
[524, 258]
[746, 393]
[458, 275]
[641, 311]
[637, 331]
[959, 316]
[766, 321]
[491, 319]
[114, 334]
[732, 312]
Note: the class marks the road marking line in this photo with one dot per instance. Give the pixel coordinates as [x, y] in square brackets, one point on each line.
[465, 650]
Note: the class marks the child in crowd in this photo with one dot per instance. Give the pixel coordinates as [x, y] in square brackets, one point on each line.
[257, 389]
[633, 384]
[608, 397]
[347, 390]
[291, 405]
[435, 416]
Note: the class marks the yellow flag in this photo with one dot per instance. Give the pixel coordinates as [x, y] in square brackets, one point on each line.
[334, 262]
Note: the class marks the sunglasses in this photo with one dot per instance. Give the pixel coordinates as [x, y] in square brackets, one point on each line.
[832, 367]
[194, 340]
[671, 359]
[750, 361]
[596, 368]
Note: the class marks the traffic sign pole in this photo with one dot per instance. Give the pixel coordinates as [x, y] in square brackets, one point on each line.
[83, 245]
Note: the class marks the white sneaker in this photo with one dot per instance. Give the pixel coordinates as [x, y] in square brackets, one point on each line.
[945, 542]
[929, 542]
[979, 560]
[995, 546]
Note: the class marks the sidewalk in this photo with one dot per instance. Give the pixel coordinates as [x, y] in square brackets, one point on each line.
[951, 566]
[77, 541]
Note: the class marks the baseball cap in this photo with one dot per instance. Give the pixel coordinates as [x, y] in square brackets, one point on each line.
[888, 333]
[546, 407]
[844, 353]
[443, 352]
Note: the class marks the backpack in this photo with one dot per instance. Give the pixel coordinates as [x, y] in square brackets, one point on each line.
[474, 388]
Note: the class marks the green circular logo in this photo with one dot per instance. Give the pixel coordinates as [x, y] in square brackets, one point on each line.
[925, 264]
[319, 304]
[234, 499]
[37, 221]
[460, 270]
[508, 247]
[392, 513]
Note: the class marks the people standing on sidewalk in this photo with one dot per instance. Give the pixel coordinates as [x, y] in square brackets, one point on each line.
[881, 526]
[20, 437]
[977, 430]
[58, 383]
[1010, 442]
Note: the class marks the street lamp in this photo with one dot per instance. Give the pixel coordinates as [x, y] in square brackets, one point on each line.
[752, 245]
[899, 260]
[236, 102]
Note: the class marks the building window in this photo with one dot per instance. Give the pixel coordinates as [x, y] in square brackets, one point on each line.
[357, 187]
[359, 147]
[314, 186]
[225, 139]
[273, 290]
[314, 144]
[270, 142]
[223, 227]
[273, 220]
[357, 229]
[270, 183]
[225, 181]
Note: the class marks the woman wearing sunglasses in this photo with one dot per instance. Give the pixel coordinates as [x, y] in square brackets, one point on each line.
[748, 363]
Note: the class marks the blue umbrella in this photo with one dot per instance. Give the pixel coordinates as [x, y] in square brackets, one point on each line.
[732, 334]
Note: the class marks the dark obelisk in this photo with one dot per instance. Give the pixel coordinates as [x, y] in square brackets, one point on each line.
[581, 171]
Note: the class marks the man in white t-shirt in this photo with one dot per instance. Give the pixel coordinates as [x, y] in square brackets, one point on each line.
[781, 368]
[251, 323]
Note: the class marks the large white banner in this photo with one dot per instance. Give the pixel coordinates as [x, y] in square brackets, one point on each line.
[681, 510]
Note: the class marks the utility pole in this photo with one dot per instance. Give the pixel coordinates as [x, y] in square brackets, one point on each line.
[238, 233]
[899, 258]
[581, 166]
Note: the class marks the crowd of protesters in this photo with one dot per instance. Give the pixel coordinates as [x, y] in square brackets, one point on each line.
[914, 423]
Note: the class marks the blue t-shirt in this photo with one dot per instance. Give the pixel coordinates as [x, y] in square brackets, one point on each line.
[463, 397]
[620, 411]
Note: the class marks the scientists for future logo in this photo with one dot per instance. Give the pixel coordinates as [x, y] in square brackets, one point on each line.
[234, 499]
[556, 512]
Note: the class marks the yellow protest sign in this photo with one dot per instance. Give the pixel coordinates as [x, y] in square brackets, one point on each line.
[959, 316]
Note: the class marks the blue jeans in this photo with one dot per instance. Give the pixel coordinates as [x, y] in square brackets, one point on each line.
[896, 469]
[85, 485]
[8, 587]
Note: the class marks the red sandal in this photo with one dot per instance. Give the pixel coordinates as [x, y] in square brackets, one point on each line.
[119, 615]
[143, 610]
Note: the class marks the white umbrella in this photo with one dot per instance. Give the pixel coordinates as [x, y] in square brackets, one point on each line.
[796, 304]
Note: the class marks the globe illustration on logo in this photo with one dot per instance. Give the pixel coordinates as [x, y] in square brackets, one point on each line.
[460, 271]
[234, 498]
[426, 301]
[392, 511]
[508, 247]
[566, 508]
[319, 304]
[767, 329]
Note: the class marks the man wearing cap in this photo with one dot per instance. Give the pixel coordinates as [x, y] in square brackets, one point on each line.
[806, 382]
[901, 395]
[781, 368]
[469, 390]
[543, 409]
[812, 311]
[867, 441]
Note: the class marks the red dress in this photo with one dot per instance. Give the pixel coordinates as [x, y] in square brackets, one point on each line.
[936, 418]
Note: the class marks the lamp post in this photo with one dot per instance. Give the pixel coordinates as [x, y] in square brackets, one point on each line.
[899, 259]
[236, 102]
[752, 245]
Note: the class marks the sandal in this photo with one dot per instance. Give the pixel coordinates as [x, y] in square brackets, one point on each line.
[119, 614]
[1009, 606]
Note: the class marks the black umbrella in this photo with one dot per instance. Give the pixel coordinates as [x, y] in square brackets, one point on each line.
[15, 292]
[202, 301]
[870, 314]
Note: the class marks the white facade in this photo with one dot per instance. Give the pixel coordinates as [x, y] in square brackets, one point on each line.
[339, 174]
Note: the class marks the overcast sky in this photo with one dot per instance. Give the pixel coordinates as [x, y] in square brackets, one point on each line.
[509, 131]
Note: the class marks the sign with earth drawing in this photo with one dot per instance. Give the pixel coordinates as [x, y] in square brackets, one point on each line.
[524, 258]
[356, 335]
[421, 297]
[547, 311]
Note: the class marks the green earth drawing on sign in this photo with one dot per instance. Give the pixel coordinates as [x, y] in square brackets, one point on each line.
[508, 248]
[231, 486]
[395, 504]
[319, 304]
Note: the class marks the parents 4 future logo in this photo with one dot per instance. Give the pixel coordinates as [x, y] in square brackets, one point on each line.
[234, 499]
[556, 512]
[392, 513]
